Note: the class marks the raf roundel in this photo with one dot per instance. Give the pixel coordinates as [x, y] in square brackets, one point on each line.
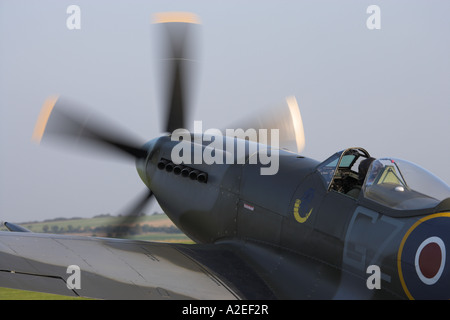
[430, 260]
[423, 267]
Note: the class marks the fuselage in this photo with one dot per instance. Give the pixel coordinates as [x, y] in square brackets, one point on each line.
[293, 219]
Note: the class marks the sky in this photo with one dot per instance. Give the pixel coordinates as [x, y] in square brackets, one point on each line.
[386, 90]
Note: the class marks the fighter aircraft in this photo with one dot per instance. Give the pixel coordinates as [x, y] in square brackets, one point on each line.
[350, 227]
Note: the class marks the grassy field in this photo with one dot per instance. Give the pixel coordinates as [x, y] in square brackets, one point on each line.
[159, 220]
[14, 294]
[160, 226]
[156, 221]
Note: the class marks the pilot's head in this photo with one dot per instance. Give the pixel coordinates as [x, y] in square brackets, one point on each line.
[363, 168]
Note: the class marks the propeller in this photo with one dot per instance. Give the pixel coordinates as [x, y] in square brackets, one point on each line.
[72, 125]
[178, 31]
[63, 120]
[286, 118]
[131, 215]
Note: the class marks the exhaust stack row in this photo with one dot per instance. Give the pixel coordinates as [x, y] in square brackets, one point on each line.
[184, 171]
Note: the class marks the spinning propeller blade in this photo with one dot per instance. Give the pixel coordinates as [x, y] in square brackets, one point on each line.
[285, 118]
[178, 55]
[131, 215]
[62, 120]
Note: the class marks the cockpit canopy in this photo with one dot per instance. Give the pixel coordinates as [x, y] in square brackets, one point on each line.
[394, 183]
[403, 185]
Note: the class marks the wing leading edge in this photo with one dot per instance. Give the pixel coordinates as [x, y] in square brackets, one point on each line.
[125, 269]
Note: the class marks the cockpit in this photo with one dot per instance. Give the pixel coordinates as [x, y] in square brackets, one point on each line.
[393, 183]
[345, 171]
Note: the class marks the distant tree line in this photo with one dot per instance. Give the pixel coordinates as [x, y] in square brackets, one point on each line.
[102, 215]
[52, 220]
[111, 230]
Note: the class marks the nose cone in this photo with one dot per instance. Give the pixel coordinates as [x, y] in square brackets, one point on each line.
[142, 163]
[423, 265]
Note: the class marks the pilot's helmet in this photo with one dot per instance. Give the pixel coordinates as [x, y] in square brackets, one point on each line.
[363, 168]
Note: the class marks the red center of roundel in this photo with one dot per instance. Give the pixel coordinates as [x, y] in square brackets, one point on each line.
[430, 260]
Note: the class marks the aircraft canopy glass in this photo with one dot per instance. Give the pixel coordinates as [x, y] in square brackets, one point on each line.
[403, 185]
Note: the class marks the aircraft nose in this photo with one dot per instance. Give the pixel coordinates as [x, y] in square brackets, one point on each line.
[142, 163]
[424, 267]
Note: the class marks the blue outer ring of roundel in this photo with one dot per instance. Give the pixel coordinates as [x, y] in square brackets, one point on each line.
[436, 226]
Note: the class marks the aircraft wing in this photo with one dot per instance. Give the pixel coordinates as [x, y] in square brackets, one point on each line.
[125, 269]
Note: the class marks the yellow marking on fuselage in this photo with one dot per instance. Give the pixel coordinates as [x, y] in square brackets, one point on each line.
[297, 216]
